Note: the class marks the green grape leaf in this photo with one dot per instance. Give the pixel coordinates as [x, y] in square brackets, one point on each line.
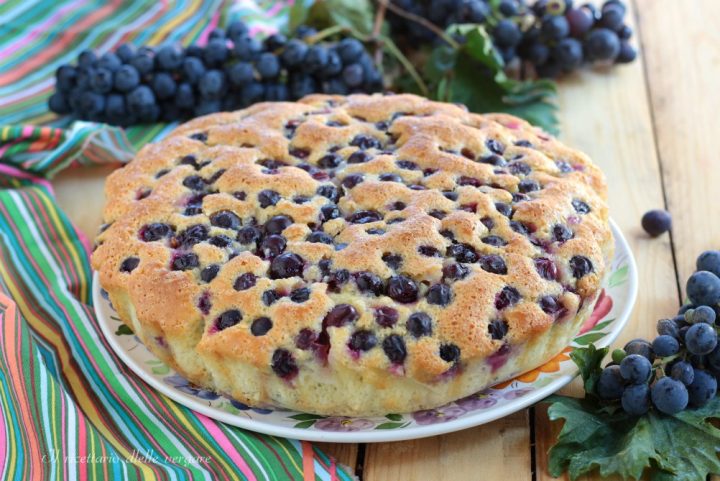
[589, 360]
[306, 416]
[474, 75]
[682, 447]
[356, 15]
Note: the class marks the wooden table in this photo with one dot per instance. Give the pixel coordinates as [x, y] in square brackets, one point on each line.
[654, 128]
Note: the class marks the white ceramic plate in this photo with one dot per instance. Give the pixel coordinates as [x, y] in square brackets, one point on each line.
[610, 315]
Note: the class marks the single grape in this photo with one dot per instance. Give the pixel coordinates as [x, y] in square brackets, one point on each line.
[618, 355]
[240, 74]
[125, 52]
[333, 65]
[184, 96]
[635, 368]
[212, 84]
[315, 59]
[193, 69]
[59, 104]
[102, 80]
[163, 85]
[610, 384]
[251, 93]
[568, 53]
[669, 396]
[656, 222]
[506, 33]
[665, 346]
[109, 61]
[170, 57]
[612, 17]
[65, 77]
[709, 261]
[702, 389]
[683, 372]
[636, 399]
[126, 78]
[143, 63]
[236, 29]
[642, 347]
[350, 50]
[294, 53]
[704, 314]
[268, 66]
[538, 53]
[87, 58]
[703, 288]
[580, 21]
[668, 327]
[555, 27]
[246, 48]
[275, 41]
[602, 44]
[216, 52]
[353, 75]
[701, 339]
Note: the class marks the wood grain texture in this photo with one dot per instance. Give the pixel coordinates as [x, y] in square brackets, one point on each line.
[495, 451]
[345, 454]
[683, 70]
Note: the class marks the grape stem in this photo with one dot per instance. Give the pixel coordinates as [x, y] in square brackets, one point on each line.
[418, 19]
[377, 26]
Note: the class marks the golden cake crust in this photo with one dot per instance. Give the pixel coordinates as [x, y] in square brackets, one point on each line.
[354, 255]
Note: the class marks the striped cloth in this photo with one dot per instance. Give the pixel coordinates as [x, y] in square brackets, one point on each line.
[69, 408]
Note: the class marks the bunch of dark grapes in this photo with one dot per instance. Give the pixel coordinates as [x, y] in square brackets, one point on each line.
[680, 368]
[553, 36]
[130, 86]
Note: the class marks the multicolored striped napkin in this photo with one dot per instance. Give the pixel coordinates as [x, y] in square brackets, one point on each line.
[69, 408]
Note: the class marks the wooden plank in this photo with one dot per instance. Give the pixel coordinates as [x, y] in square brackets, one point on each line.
[683, 70]
[345, 454]
[607, 115]
[499, 450]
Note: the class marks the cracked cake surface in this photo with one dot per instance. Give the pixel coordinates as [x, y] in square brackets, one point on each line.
[354, 255]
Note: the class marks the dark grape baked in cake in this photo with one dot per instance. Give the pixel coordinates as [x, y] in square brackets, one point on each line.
[354, 255]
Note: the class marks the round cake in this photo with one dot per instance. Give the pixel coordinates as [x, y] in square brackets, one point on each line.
[354, 255]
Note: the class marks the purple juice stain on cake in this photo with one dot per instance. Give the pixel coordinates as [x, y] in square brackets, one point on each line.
[204, 303]
[499, 358]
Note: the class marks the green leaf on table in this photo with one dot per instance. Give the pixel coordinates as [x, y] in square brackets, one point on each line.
[589, 360]
[618, 277]
[476, 78]
[123, 330]
[356, 15]
[682, 447]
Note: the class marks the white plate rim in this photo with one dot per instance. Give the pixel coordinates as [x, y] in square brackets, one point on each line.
[419, 431]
